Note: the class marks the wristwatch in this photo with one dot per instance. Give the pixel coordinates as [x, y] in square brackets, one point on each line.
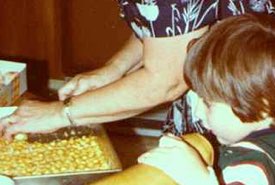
[67, 104]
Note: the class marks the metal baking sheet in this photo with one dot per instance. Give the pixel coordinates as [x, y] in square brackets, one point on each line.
[95, 130]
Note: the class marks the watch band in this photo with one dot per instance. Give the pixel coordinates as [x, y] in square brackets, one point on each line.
[67, 103]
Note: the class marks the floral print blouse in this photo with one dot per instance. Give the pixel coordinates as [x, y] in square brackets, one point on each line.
[164, 18]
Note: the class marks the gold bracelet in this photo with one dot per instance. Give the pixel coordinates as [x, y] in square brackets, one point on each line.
[67, 104]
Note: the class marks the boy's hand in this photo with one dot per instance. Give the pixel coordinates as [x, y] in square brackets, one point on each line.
[178, 160]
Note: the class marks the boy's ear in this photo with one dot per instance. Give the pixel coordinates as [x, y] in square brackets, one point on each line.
[191, 43]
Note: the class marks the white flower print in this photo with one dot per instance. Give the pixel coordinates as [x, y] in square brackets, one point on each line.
[214, 5]
[176, 17]
[191, 12]
[140, 31]
[150, 11]
[184, 1]
[191, 15]
[234, 9]
[270, 8]
[257, 5]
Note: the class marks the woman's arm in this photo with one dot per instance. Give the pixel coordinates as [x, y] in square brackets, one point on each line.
[122, 62]
[159, 81]
[128, 57]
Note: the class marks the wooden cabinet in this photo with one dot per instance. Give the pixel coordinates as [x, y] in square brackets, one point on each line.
[29, 31]
[63, 37]
[93, 31]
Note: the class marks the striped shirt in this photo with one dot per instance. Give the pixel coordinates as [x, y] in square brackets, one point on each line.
[249, 162]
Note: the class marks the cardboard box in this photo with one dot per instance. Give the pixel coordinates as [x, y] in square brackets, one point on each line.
[13, 81]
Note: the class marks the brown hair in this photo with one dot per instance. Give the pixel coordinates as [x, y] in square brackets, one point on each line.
[234, 63]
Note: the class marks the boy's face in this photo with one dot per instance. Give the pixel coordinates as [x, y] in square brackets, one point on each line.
[220, 119]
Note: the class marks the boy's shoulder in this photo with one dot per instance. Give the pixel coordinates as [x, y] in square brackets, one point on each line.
[263, 138]
[258, 150]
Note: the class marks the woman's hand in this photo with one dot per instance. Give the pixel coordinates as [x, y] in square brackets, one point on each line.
[178, 160]
[84, 82]
[34, 117]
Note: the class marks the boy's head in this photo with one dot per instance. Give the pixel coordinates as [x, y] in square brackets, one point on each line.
[234, 63]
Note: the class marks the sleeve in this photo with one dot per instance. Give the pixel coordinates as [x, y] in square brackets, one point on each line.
[229, 8]
[165, 18]
[238, 168]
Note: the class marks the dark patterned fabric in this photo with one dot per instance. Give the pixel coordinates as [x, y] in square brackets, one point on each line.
[164, 18]
[180, 117]
[262, 156]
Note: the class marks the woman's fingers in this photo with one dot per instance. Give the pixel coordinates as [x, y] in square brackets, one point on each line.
[22, 128]
[67, 90]
[7, 121]
[84, 82]
[34, 117]
[12, 130]
[81, 87]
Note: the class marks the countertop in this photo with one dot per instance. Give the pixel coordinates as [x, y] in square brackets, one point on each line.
[129, 147]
